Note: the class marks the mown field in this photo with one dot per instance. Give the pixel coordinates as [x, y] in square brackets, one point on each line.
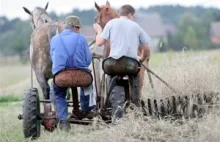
[188, 72]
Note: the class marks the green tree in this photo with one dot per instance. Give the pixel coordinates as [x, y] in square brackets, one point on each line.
[15, 38]
[192, 32]
[191, 40]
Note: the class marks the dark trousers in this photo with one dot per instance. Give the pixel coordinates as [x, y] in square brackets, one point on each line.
[117, 95]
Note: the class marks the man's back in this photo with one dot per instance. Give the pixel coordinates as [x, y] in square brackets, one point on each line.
[125, 36]
[69, 50]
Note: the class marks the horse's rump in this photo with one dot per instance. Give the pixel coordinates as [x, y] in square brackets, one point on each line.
[40, 47]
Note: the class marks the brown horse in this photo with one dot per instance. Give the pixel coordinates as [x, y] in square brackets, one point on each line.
[104, 15]
[38, 16]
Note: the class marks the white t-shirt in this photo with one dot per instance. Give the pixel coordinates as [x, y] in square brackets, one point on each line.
[125, 37]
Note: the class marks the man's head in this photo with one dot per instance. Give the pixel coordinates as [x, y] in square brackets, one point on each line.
[73, 22]
[128, 11]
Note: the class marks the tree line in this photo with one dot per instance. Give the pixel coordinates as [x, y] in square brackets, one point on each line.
[192, 28]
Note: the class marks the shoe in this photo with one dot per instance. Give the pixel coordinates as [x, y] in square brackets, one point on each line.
[64, 125]
[88, 114]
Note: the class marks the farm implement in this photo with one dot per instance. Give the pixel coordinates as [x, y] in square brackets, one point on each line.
[188, 106]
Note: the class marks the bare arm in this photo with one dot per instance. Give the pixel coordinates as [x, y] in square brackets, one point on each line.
[102, 35]
[99, 40]
[144, 45]
[145, 53]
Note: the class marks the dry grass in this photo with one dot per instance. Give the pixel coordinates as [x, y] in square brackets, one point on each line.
[188, 74]
[14, 76]
[129, 129]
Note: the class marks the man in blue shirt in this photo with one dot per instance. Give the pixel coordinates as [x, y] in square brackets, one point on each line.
[69, 49]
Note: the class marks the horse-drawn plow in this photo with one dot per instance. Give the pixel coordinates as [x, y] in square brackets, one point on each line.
[173, 107]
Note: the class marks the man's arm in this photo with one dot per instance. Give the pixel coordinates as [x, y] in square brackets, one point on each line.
[145, 53]
[102, 36]
[99, 40]
[144, 45]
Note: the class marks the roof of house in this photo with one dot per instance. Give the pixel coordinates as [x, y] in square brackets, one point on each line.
[170, 28]
[215, 29]
[151, 23]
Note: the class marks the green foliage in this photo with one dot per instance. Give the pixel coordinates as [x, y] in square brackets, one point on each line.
[172, 14]
[188, 31]
[192, 28]
[163, 47]
[193, 24]
[192, 32]
[191, 39]
[15, 36]
[9, 98]
[86, 16]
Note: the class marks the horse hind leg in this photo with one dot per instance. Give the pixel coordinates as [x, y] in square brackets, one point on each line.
[43, 82]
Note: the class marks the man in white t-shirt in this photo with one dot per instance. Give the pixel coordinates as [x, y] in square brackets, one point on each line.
[125, 37]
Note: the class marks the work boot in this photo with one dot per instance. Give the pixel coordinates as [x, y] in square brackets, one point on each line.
[64, 125]
[88, 114]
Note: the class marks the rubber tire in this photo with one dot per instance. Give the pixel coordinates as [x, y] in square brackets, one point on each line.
[31, 114]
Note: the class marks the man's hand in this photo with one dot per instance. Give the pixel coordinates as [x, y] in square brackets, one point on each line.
[97, 28]
[99, 40]
[145, 53]
[139, 59]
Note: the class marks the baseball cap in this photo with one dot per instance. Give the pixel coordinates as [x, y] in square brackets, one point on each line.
[73, 21]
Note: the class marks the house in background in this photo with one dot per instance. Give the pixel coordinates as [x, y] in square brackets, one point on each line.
[170, 29]
[215, 33]
[153, 25]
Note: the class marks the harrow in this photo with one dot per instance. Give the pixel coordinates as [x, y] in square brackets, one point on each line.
[188, 106]
[180, 106]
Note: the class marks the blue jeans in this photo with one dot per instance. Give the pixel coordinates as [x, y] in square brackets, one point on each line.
[61, 104]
